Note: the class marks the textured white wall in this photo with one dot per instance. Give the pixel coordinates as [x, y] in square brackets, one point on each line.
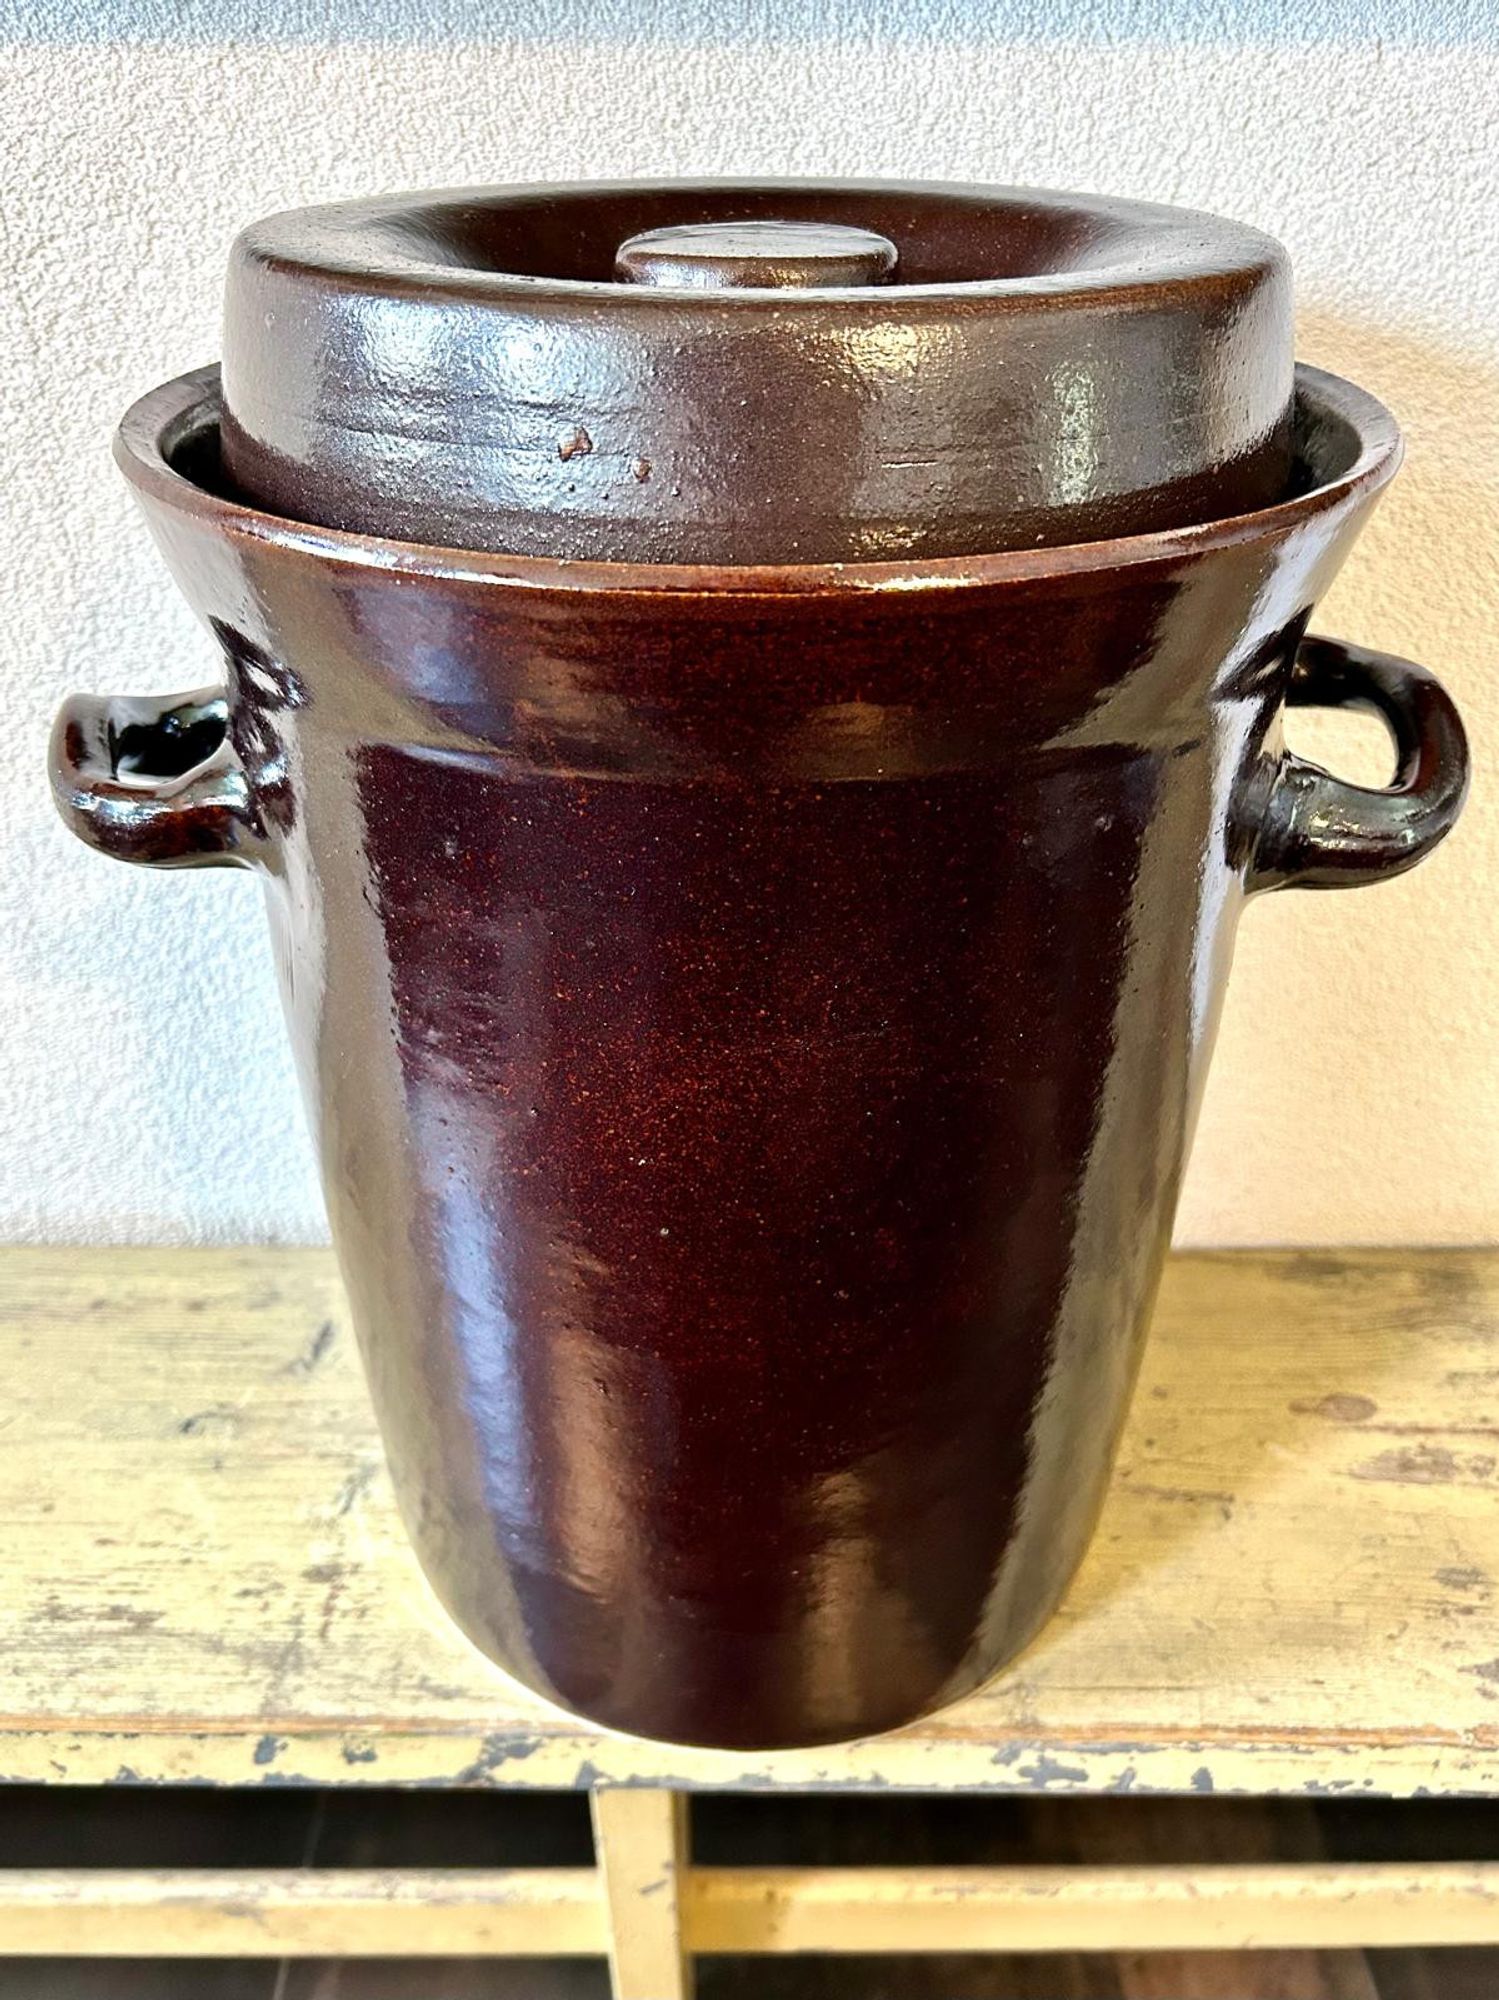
[144, 1089]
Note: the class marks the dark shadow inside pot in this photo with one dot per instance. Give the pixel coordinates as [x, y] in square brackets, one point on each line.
[169, 745]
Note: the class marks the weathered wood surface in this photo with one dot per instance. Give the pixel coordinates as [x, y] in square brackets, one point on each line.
[301, 1913]
[1292, 1590]
[644, 1852]
[550, 1912]
[1256, 1907]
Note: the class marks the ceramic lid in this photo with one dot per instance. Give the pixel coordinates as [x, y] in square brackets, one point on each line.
[736, 372]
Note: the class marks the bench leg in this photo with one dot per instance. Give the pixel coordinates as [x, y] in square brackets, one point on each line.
[641, 1846]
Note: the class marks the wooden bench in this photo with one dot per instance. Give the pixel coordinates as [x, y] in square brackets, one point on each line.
[1292, 1592]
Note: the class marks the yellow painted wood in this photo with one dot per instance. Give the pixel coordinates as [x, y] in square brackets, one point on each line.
[551, 1912]
[641, 1844]
[259, 1913]
[1271, 1906]
[1292, 1589]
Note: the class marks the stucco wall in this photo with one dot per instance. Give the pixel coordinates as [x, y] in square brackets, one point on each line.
[144, 1088]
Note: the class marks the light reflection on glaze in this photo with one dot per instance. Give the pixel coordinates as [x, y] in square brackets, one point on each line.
[1080, 424]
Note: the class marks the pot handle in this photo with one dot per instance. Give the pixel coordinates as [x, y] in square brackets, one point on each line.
[1320, 832]
[155, 779]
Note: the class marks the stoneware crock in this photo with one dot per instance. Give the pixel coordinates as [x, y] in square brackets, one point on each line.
[752, 372]
[752, 1020]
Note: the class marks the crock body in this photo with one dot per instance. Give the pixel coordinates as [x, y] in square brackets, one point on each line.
[752, 1039]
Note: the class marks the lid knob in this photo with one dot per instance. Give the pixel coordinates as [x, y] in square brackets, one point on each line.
[712, 256]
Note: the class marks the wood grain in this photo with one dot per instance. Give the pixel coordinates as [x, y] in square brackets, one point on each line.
[641, 1841]
[1292, 1588]
[301, 1913]
[1256, 1907]
[483, 1913]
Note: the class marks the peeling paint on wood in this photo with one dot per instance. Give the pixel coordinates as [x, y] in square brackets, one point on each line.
[1458, 1578]
[1339, 1407]
[1429, 1465]
[316, 1349]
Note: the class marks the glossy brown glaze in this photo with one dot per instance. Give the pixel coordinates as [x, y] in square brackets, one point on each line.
[760, 255]
[753, 1022]
[462, 367]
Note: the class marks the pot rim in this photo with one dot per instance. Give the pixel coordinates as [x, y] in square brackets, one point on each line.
[155, 426]
[320, 244]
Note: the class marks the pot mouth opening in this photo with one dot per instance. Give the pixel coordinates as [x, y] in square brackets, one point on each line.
[168, 445]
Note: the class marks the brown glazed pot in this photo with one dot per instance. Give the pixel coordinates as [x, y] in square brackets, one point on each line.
[753, 1021]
